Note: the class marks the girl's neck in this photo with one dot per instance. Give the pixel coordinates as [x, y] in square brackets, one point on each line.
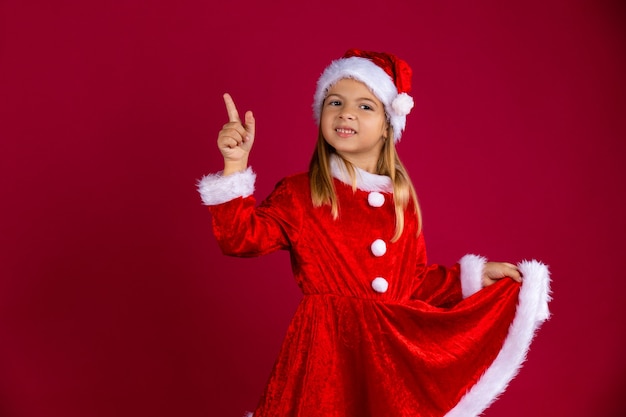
[365, 162]
[366, 165]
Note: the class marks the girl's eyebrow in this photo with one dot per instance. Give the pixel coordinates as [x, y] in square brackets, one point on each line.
[358, 99]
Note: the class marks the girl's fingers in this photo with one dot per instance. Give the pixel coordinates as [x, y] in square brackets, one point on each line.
[250, 126]
[234, 130]
[513, 272]
[499, 270]
[236, 137]
[231, 109]
[229, 139]
[516, 275]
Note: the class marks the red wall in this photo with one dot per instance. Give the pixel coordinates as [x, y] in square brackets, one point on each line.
[114, 299]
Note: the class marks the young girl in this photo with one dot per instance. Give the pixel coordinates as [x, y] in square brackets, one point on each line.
[379, 332]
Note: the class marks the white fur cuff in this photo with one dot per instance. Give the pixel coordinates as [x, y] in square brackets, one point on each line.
[471, 274]
[539, 277]
[217, 189]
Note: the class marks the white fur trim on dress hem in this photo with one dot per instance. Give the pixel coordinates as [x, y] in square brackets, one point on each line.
[532, 311]
[217, 189]
[471, 274]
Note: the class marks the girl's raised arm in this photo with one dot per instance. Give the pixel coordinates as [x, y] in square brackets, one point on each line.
[236, 138]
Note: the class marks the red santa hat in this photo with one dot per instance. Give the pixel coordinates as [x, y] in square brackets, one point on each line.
[386, 75]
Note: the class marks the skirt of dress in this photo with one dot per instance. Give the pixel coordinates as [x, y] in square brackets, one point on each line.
[347, 356]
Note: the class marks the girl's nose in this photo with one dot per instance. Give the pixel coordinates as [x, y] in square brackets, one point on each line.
[346, 115]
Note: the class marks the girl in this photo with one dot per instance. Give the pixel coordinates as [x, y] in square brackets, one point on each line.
[378, 331]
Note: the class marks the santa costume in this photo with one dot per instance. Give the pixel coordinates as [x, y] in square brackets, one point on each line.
[379, 332]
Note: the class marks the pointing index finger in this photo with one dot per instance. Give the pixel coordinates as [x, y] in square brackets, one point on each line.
[233, 114]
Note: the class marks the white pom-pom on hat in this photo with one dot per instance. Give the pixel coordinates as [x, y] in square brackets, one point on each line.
[402, 104]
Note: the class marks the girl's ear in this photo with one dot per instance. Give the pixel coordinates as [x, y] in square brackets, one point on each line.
[386, 130]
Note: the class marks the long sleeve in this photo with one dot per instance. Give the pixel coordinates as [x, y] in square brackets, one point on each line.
[240, 227]
[446, 286]
[440, 286]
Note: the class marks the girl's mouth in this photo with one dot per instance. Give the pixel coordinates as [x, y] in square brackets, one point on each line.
[345, 132]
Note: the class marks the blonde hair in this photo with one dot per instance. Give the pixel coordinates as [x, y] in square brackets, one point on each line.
[323, 189]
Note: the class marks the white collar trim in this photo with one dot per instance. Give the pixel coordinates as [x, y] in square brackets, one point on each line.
[365, 181]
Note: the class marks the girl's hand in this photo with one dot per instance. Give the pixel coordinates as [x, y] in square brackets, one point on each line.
[494, 271]
[236, 138]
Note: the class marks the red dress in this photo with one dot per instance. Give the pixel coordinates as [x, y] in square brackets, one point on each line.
[379, 332]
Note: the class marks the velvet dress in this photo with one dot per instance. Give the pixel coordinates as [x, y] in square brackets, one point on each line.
[379, 332]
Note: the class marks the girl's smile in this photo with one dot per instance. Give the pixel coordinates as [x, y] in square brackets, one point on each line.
[345, 132]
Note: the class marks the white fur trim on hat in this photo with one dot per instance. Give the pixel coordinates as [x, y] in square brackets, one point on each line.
[397, 106]
[217, 189]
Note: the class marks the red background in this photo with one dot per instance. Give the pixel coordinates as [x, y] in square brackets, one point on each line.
[114, 299]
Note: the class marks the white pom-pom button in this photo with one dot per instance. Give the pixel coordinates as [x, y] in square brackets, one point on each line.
[380, 285]
[376, 199]
[379, 247]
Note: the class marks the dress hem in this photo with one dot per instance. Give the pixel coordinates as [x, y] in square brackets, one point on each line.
[532, 311]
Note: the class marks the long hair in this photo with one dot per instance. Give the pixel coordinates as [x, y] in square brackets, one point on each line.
[389, 164]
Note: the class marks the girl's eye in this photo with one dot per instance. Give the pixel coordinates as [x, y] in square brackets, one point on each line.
[334, 103]
[366, 107]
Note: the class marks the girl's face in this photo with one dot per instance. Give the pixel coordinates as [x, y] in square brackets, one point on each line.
[353, 121]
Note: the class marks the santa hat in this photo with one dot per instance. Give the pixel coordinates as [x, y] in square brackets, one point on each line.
[386, 75]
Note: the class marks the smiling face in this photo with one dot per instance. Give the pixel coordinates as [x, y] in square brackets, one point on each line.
[353, 121]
